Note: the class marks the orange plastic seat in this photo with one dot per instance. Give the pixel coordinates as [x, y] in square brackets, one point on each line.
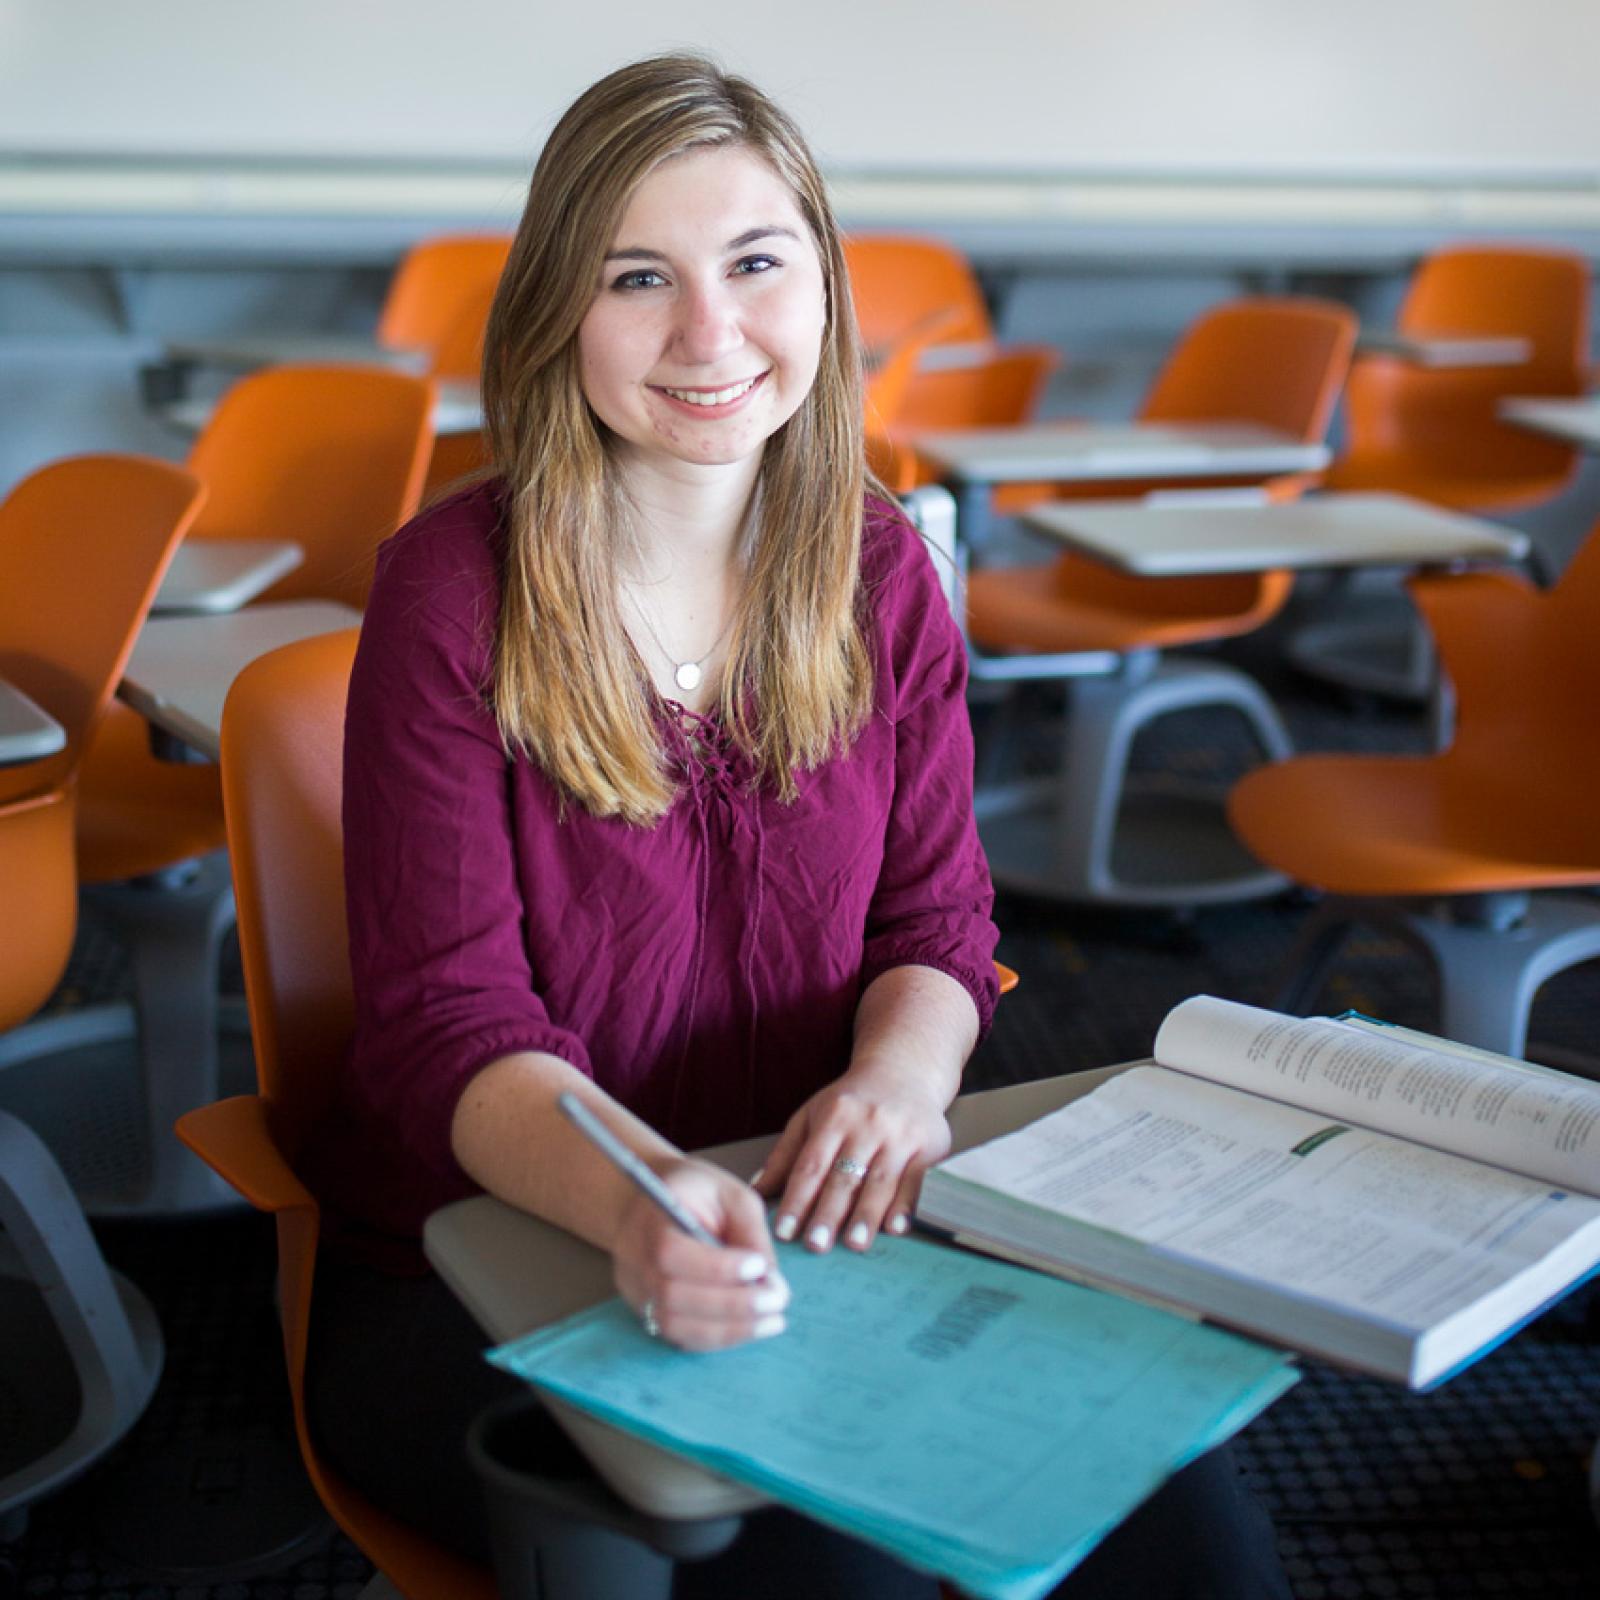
[1277, 362]
[441, 287]
[331, 457]
[898, 282]
[64, 642]
[282, 734]
[1435, 433]
[1507, 811]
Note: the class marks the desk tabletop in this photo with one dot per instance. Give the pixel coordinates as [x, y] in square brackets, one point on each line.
[1572, 421]
[515, 1273]
[1196, 538]
[182, 667]
[1446, 350]
[457, 408]
[245, 352]
[27, 731]
[1086, 452]
[212, 575]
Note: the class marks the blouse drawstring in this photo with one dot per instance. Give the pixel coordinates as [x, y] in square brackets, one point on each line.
[709, 771]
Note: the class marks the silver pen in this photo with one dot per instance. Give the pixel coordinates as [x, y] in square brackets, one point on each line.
[626, 1162]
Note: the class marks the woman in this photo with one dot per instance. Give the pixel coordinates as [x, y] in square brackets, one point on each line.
[658, 791]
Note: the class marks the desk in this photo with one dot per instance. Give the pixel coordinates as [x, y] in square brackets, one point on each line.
[214, 575]
[457, 408]
[1325, 530]
[1083, 833]
[1574, 421]
[515, 1273]
[27, 731]
[1439, 351]
[973, 460]
[182, 667]
[246, 352]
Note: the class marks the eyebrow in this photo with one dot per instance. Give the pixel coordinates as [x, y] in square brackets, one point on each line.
[748, 237]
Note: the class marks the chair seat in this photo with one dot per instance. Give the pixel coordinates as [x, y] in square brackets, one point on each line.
[1072, 604]
[1412, 826]
[1455, 489]
[137, 814]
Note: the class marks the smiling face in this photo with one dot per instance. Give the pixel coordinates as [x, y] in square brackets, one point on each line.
[705, 330]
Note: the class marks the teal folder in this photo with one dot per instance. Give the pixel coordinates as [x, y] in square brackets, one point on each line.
[980, 1421]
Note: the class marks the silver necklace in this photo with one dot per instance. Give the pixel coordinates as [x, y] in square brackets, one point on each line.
[688, 675]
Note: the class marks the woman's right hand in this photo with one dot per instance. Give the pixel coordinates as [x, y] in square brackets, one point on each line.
[700, 1296]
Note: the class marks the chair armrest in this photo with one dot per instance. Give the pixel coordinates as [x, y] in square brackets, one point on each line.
[233, 1139]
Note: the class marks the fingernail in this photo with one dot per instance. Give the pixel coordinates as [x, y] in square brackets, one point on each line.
[768, 1326]
[751, 1268]
[899, 1222]
[858, 1236]
[819, 1237]
[772, 1299]
[785, 1227]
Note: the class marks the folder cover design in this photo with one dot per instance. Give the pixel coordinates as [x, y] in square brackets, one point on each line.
[978, 1420]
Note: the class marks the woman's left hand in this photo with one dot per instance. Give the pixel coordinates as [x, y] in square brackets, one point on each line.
[850, 1160]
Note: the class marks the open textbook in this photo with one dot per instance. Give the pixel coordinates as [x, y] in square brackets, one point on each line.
[1382, 1199]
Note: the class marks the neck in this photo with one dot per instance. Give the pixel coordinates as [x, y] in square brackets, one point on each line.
[689, 519]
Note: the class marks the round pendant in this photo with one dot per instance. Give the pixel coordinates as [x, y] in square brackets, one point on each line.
[688, 676]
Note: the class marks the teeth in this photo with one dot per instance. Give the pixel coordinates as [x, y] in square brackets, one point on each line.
[714, 397]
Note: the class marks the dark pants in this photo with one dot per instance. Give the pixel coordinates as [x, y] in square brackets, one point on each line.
[396, 1374]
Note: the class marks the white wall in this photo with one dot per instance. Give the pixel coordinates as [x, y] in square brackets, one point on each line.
[1313, 87]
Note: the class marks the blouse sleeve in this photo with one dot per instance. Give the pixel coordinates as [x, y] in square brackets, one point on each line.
[441, 975]
[933, 899]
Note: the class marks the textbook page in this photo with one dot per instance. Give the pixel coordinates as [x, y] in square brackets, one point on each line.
[1535, 1123]
[1267, 1193]
[978, 1420]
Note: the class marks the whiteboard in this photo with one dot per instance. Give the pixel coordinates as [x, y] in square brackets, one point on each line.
[1285, 88]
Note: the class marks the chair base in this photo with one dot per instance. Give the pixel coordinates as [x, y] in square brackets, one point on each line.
[559, 1533]
[40, 1396]
[1489, 956]
[101, 1131]
[107, 1110]
[1090, 836]
[1381, 649]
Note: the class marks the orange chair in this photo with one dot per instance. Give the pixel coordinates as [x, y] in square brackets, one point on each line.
[1278, 362]
[440, 288]
[1482, 830]
[281, 774]
[64, 642]
[900, 281]
[1435, 433]
[334, 458]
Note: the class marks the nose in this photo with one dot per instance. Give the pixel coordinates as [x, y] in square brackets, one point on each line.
[708, 323]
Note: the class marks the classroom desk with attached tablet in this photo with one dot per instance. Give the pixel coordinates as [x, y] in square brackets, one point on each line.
[1572, 421]
[218, 575]
[515, 1273]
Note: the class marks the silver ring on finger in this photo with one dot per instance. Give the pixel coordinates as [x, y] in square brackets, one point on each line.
[850, 1167]
[651, 1322]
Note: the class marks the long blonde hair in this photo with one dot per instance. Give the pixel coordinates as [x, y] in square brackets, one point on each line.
[569, 690]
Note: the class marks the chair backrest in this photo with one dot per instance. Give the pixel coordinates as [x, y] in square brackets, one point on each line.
[1446, 420]
[436, 284]
[83, 546]
[1275, 361]
[1526, 668]
[282, 789]
[898, 280]
[333, 458]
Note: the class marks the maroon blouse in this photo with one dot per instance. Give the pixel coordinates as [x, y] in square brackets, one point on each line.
[705, 971]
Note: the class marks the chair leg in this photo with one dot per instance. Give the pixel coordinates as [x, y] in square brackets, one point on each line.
[559, 1533]
[109, 1330]
[1105, 716]
[120, 1150]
